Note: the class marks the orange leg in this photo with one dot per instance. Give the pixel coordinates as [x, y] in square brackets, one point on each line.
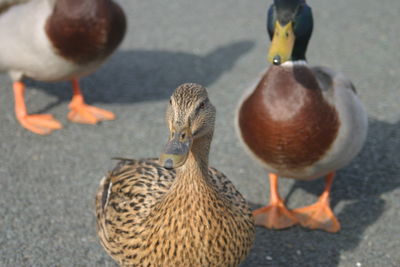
[275, 215]
[83, 113]
[37, 123]
[320, 215]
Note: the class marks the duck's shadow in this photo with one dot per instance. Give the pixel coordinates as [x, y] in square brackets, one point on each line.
[142, 75]
[360, 184]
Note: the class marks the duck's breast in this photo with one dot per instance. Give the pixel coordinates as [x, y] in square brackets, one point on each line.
[286, 123]
[87, 30]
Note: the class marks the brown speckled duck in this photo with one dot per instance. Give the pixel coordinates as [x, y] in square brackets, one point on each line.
[299, 121]
[54, 40]
[175, 211]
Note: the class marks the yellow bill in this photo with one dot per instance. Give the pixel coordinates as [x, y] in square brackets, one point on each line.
[282, 43]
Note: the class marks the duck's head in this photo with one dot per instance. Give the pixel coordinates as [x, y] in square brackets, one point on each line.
[289, 24]
[190, 115]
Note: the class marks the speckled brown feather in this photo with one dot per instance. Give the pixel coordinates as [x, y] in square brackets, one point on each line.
[141, 225]
[286, 122]
[85, 30]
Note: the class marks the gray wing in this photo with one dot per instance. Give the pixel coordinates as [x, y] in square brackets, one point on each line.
[327, 78]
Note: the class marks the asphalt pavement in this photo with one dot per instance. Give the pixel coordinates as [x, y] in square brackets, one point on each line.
[48, 184]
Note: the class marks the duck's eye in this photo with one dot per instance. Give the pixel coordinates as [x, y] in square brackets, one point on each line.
[170, 101]
[183, 137]
[200, 106]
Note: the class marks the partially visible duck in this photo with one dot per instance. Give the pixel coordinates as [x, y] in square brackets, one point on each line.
[55, 40]
[175, 211]
[299, 121]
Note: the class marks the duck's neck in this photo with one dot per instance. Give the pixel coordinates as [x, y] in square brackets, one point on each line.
[300, 47]
[299, 51]
[195, 169]
[192, 191]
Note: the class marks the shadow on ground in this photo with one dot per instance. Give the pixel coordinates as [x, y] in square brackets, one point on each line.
[362, 183]
[143, 75]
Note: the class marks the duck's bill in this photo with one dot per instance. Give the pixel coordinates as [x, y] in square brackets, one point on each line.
[176, 150]
[282, 43]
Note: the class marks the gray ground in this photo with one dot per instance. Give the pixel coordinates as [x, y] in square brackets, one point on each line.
[48, 183]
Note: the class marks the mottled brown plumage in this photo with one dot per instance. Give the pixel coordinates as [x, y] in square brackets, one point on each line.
[191, 215]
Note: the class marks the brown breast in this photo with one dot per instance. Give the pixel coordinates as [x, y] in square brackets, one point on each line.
[286, 122]
[86, 30]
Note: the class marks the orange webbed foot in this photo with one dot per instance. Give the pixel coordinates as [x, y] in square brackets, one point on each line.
[275, 216]
[318, 216]
[37, 123]
[83, 113]
[40, 123]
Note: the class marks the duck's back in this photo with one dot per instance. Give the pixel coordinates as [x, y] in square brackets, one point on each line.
[139, 222]
[132, 187]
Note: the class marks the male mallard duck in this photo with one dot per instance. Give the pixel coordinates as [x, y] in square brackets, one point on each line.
[52, 40]
[175, 211]
[299, 121]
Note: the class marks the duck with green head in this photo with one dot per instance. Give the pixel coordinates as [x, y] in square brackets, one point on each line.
[299, 121]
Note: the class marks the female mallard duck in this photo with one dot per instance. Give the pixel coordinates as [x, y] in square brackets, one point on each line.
[52, 40]
[175, 211]
[299, 121]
